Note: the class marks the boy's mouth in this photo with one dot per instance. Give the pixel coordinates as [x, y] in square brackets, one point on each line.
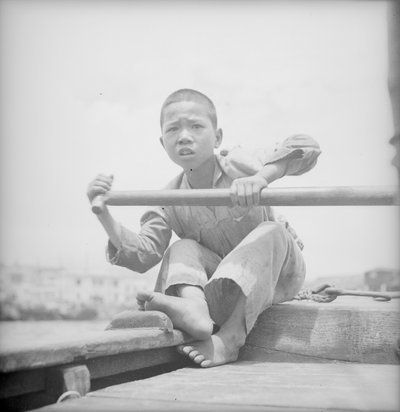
[185, 151]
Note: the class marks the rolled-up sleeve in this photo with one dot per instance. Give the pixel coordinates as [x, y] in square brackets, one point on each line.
[141, 251]
[300, 151]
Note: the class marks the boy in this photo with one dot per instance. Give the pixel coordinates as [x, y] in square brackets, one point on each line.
[231, 263]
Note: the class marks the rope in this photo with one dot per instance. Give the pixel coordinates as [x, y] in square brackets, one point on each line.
[313, 295]
[327, 293]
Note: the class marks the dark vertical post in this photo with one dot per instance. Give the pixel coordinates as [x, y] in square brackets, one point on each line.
[394, 74]
[393, 18]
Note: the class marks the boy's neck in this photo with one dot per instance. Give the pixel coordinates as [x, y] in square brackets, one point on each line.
[202, 178]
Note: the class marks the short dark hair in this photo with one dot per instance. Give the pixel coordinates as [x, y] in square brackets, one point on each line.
[184, 95]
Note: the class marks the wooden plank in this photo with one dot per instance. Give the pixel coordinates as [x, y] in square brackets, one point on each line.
[255, 353]
[127, 362]
[290, 196]
[294, 386]
[31, 355]
[341, 386]
[366, 332]
[91, 404]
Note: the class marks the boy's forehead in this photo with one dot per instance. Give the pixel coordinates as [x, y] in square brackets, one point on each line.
[186, 108]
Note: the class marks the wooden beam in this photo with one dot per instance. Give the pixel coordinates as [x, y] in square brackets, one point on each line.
[127, 362]
[94, 345]
[352, 330]
[293, 196]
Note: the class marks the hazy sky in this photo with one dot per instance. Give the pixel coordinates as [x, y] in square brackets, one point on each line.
[82, 83]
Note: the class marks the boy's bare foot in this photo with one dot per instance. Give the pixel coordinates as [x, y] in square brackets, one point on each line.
[219, 349]
[190, 315]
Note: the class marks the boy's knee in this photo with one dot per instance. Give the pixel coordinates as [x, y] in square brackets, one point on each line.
[273, 229]
[183, 246]
[273, 233]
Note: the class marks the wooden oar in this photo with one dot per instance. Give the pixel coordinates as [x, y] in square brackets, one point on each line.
[293, 196]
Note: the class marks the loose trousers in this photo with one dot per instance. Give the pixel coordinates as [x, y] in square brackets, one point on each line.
[267, 266]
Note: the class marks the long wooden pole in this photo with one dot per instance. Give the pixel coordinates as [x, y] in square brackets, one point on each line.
[294, 196]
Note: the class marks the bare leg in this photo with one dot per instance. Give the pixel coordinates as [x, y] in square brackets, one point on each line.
[188, 311]
[223, 347]
[265, 267]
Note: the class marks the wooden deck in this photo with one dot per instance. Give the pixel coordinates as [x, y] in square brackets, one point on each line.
[252, 386]
[299, 356]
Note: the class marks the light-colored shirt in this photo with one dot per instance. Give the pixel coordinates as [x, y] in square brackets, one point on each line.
[219, 228]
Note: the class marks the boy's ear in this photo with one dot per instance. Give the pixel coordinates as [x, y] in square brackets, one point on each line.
[218, 138]
[162, 142]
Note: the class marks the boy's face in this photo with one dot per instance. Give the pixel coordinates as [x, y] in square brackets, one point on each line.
[188, 134]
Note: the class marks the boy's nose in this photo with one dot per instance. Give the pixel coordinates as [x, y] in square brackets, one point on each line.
[185, 137]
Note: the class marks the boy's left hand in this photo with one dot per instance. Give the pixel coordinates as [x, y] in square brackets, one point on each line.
[245, 191]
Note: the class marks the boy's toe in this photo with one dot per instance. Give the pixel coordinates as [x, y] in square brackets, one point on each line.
[206, 364]
[184, 350]
[187, 349]
[144, 295]
[193, 354]
[198, 359]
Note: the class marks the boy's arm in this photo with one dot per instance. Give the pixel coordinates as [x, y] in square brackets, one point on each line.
[141, 251]
[300, 152]
[111, 227]
[296, 155]
[138, 252]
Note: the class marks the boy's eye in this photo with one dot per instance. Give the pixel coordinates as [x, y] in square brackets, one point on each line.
[197, 126]
[172, 129]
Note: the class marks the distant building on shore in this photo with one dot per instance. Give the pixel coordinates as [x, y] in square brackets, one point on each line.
[382, 280]
[378, 279]
[55, 288]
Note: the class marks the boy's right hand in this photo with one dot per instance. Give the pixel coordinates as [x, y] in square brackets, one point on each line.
[99, 186]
